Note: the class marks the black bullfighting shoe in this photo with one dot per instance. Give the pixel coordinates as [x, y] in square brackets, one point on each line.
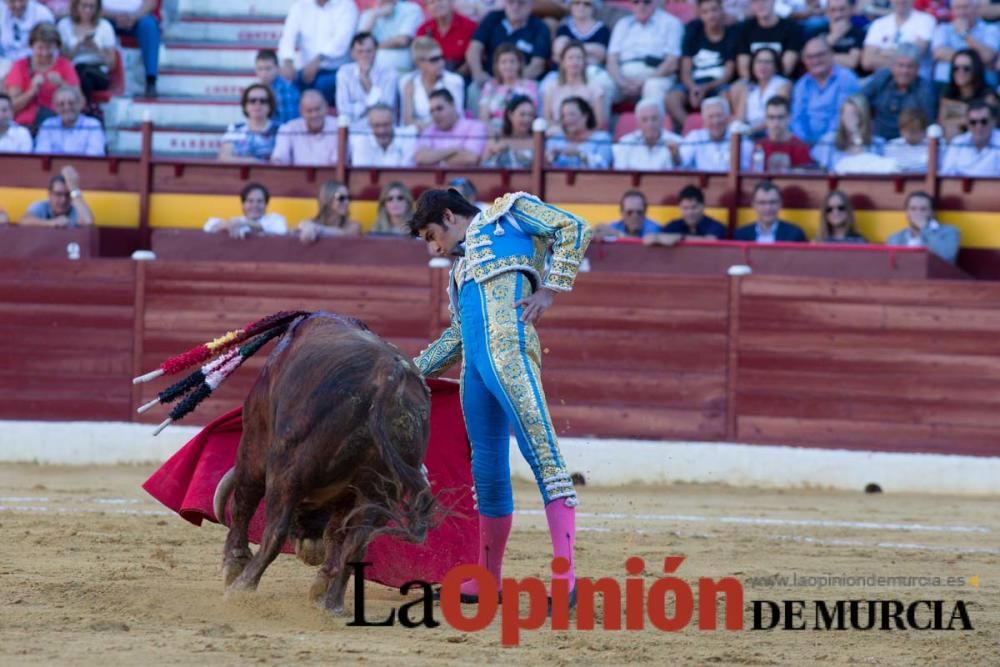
[572, 600]
[466, 598]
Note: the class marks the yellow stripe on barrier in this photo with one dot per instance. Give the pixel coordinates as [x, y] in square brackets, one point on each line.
[111, 209]
[179, 211]
[978, 230]
[121, 209]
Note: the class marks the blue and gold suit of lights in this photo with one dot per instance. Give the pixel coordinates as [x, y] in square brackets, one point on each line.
[516, 246]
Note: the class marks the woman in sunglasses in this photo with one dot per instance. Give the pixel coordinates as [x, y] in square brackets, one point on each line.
[836, 222]
[966, 83]
[415, 88]
[332, 218]
[395, 209]
[252, 140]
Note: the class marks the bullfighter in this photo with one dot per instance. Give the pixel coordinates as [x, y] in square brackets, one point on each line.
[511, 260]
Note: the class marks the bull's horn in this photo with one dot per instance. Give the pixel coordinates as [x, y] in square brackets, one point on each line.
[222, 491]
[152, 375]
[148, 406]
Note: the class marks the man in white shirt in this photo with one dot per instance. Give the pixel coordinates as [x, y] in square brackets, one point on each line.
[135, 18]
[379, 144]
[322, 31]
[651, 147]
[364, 82]
[70, 132]
[17, 18]
[977, 152]
[903, 26]
[707, 148]
[644, 51]
[255, 221]
[310, 140]
[13, 137]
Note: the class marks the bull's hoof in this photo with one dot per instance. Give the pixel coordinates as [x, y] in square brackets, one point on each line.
[310, 552]
[335, 610]
[231, 570]
[242, 584]
[319, 587]
[233, 563]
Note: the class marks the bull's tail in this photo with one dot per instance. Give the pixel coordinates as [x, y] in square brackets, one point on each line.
[231, 350]
[408, 504]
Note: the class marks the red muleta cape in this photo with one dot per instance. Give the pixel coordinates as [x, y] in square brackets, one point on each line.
[186, 484]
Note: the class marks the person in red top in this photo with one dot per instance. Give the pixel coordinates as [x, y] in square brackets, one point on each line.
[782, 149]
[449, 29]
[33, 81]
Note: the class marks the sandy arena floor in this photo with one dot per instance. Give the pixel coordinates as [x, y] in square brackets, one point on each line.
[94, 572]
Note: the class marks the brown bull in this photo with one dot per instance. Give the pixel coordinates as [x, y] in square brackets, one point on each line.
[334, 435]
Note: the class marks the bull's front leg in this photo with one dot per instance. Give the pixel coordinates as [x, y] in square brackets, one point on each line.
[331, 540]
[236, 553]
[281, 505]
[356, 536]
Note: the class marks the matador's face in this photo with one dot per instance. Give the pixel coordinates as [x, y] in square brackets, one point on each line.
[442, 239]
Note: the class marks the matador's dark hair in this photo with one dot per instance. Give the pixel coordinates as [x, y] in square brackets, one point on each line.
[432, 205]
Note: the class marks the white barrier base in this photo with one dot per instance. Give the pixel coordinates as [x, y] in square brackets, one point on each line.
[602, 462]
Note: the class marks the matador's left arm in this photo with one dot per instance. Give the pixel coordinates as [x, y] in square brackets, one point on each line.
[569, 234]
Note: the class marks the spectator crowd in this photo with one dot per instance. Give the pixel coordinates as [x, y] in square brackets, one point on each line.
[831, 85]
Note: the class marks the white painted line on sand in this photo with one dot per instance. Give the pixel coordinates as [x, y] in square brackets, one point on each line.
[905, 546]
[773, 521]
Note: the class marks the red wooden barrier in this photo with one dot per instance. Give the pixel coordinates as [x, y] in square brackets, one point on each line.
[67, 345]
[885, 365]
[869, 364]
[187, 303]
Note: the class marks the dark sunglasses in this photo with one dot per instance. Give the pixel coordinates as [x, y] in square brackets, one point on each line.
[258, 100]
[979, 121]
[635, 212]
[434, 59]
[962, 68]
[835, 207]
[642, 2]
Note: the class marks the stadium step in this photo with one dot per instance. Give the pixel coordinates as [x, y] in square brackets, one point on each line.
[173, 112]
[270, 8]
[195, 83]
[228, 30]
[211, 57]
[168, 141]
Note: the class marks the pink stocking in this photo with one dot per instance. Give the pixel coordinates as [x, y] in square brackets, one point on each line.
[493, 533]
[562, 529]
